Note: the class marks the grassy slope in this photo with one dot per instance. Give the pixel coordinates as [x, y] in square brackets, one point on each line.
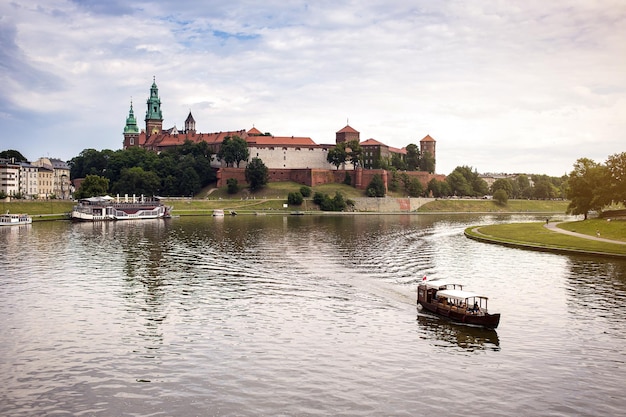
[490, 206]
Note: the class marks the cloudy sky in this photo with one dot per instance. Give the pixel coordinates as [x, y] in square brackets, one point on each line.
[503, 86]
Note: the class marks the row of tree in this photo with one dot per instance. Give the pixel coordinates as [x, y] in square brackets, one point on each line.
[180, 171]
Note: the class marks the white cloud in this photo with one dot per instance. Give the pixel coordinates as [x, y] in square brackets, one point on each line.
[502, 87]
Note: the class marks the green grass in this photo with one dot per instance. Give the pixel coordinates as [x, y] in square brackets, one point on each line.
[490, 206]
[537, 236]
[615, 229]
[37, 207]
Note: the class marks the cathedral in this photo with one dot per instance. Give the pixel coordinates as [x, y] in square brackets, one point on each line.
[276, 152]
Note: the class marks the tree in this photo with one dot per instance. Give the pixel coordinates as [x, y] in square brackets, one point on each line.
[233, 151]
[412, 157]
[503, 184]
[376, 187]
[93, 185]
[355, 153]
[232, 185]
[137, 181]
[616, 167]
[337, 155]
[13, 154]
[256, 174]
[295, 198]
[500, 197]
[305, 191]
[465, 182]
[427, 162]
[414, 188]
[583, 183]
[438, 188]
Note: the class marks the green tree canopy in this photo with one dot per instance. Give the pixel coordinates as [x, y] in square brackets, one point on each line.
[504, 184]
[137, 181]
[584, 181]
[412, 158]
[11, 153]
[337, 155]
[256, 174]
[233, 151]
[376, 187]
[92, 186]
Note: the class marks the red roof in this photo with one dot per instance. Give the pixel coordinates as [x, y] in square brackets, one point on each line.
[165, 139]
[254, 131]
[427, 138]
[372, 142]
[348, 129]
[280, 141]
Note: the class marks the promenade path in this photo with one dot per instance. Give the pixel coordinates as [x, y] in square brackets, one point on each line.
[553, 226]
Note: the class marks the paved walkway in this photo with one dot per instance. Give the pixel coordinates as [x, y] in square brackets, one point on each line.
[553, 226]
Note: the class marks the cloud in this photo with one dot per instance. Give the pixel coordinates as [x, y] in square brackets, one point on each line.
[500, 86]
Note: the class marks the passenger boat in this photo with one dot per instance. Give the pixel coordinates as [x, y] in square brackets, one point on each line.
[448, 299]
[15, 219]
[127, 208]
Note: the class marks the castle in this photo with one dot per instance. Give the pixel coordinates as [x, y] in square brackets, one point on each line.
[279, 153]
[276, 152]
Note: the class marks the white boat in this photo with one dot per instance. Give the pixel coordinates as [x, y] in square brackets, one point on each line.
[15, 219]
[218, 213]
[127, 208]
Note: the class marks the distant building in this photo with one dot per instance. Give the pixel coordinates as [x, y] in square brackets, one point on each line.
[9, 177]
[54, 178]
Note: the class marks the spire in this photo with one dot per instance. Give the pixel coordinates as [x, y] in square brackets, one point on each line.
[154, 116]
[131, 122]
[190, 124]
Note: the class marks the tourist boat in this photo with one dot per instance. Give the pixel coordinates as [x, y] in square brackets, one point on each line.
[218, 213]
[15, 219]
[448, 299]
[126, 208]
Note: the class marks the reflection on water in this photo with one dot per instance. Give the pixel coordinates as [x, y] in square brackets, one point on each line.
[469, 338]
[299, 315]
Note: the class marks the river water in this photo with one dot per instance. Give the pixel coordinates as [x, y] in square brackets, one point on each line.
[300, 316]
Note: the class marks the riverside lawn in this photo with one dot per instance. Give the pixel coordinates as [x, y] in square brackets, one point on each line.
[536, 236]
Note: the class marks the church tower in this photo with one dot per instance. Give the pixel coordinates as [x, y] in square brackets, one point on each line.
[154, 117]
[190, 124]
[131, 130]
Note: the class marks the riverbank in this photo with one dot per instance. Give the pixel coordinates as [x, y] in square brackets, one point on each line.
[589, 237]
[268, 204]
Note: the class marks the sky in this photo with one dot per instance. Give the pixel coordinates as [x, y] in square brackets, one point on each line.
[502, 86]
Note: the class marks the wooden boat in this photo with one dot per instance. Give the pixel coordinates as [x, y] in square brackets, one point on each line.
[15, 219]
[127, 208]
[448, 299]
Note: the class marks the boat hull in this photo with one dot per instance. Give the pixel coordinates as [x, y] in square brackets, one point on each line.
[489, 321]
[15, 219]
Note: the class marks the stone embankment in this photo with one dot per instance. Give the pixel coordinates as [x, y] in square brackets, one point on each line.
[388, 204]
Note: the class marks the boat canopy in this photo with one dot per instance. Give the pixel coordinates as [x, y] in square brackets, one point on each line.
[459, 295]
[440, 283]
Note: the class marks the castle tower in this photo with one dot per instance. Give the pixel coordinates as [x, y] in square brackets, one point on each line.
[190, 124]
[154, 117]
[347, 134]
[131, 130]
[428, 144]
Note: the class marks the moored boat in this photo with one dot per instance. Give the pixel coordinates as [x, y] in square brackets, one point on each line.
[448, 299]
[127, 208]
[8, 219]
[218, 213]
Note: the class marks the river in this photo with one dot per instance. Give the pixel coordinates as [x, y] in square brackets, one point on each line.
[300, 316]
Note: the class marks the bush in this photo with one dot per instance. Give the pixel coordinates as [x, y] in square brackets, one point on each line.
[326, 203]
[295, 198]
[376, 187]
[347, 179]
[305, 191]
[233, 185]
